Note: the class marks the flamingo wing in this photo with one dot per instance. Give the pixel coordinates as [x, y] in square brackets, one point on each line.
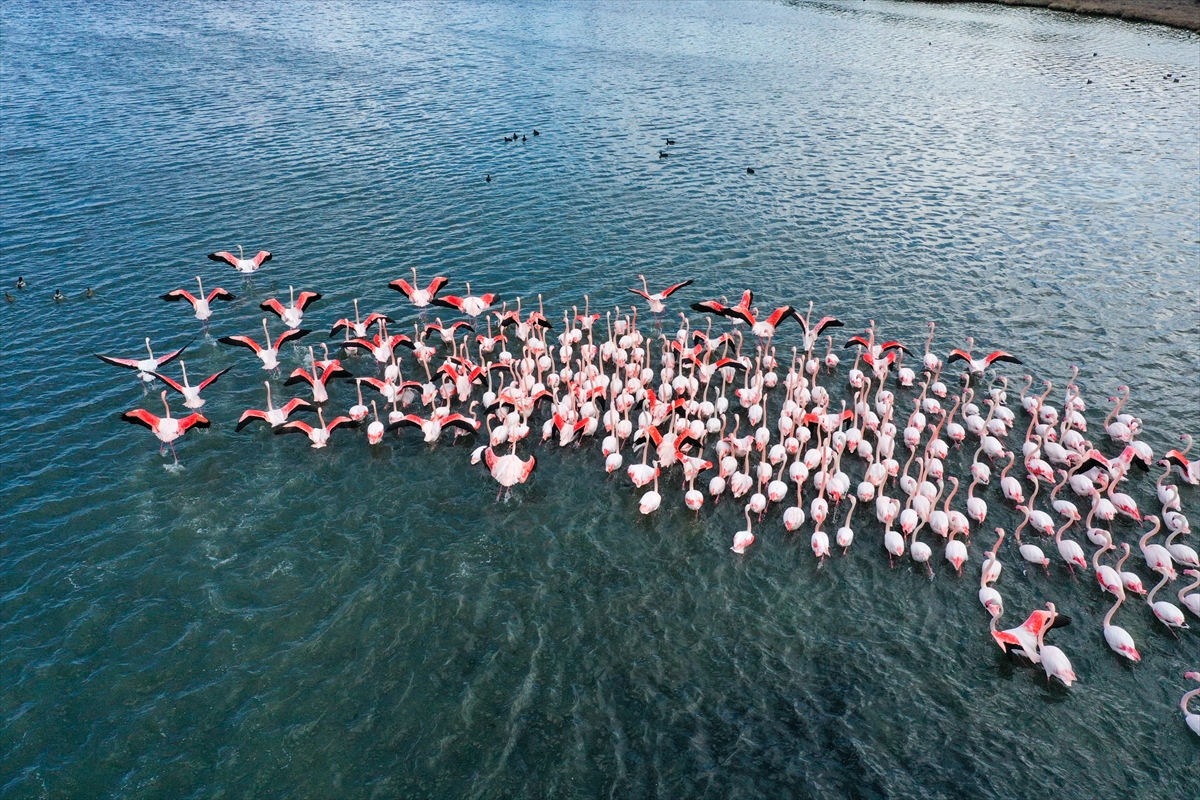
[262, 257]
[340, 325]
[732, 362]
[363, 343]
[709, 307]
[177, 387]
[294, 426]
[958, 355]
[177, 295]
[827, 322]
[747, 300]
[241, 341]
[437, 284]
[1177, 458]
[337, 421]
[292, 333]
[128, 363]
[488, 299]
[140, 416]
[374, 317]
[298, 375]
[212, 378]
[449, 301]
[248, 416]
[780, 314]
[462, 324]
[272, 305]
[639, 292]
[193, 421]
[1000, 355]
[459, 421]
[857, 340]
[407, 419]
[670, 290]
[403, 287]
[401, 339]
[738, 312]
[305, 299]
[296, 404]
[894, 346]
[224, 255]
[220, 294]
[490, 458]
[174, 354]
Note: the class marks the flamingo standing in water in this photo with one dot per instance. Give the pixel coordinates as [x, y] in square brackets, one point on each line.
[1187, 595]
[202, 304]
[191, 394]
[1054, 661]
[268, 353]
[419, 297]
[743, 539]
[146, 367]
[246, 266]
[1118, 638]
[166, 429]
[317, 434]
[375, 430]
[1167, 613]
[293, 313]
[1192, 720]
[274, 416]
[1023, 640]
[1189, 469]
[656, 300]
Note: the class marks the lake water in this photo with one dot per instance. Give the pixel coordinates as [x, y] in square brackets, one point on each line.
[273, 620]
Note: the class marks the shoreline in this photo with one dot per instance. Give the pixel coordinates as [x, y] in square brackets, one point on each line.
[1183, 14]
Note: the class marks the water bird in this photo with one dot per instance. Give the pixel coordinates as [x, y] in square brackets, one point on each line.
[743, 539]
[21, 282]
[146, 367]
[978, 365]
[167, 428]
[749, 170]
[656, 300]
[535, 132]
[202, 304]
[470, 305]
[293, 313]
[268, 353]
[9, 297]
[246, 266]
[191, 394]
[419, 297]
[359, 327]
[318, 435]
[89, 292]
[1024, 639]
[432, 427]
[661, 154]
[488, 179]
[274, 416]
[59, 296]
[1192, 720]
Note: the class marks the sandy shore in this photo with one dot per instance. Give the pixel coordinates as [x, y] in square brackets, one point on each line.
[1176, 13]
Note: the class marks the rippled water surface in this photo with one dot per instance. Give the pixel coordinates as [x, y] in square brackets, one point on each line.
[279, 621]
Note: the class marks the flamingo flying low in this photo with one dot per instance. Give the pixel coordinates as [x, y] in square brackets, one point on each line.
[978, 365]
[471, 305]
[166, 429]
[358, 328]
[191, 394]
[293, 313]
[419, 297]
[269, 353]
[318, 435]
[146, 367]
[243, 265]
[274, 416]
[656, 300]
[432, 428]
[202, 304]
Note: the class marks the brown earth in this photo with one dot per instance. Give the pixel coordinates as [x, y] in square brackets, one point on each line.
[1176, 13]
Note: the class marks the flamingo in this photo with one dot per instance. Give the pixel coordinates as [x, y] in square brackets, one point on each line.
[1167, 613]
[1054, 661]
[375, 430]
[318, 435]
[293, 312]
[1181, 553]
[978, 365]
[318, 380]
[1130, 580]
[191, 394]
[1190, 598]
[814, 332]
[1189, 469]
[432, 428]
[509, 469]
[470, 305]
[956, 552]
[246, 266]
[743, 539]
[274, 416]
[1070, 550]
[202, 304]
[845, 534]
[656, 300]
[1108, 578]
[419, 297]
[146, 367]
[651, 500]
[358, 328]
[166, 429]
[1192, 720]
[1117, 637]
[268, 353]
[1023, 640]
[1158, 558]
[991, 569]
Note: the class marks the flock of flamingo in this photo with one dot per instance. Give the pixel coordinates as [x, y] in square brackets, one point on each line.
[765, 425]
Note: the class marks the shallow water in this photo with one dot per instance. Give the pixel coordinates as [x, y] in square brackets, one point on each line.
[274, 620]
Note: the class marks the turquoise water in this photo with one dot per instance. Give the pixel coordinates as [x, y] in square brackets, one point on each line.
[273, 620]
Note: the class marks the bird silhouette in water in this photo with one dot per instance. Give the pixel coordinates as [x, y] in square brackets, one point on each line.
[21, 282]
[9, 297]
[89, 292]
[670, 142]
[749, 170]
[507, 139]
[661, 154]
[59, 296]
[523, 139]
[535, 132]
[488, 178]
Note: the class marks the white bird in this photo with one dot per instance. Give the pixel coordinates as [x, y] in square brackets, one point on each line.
[243, 265]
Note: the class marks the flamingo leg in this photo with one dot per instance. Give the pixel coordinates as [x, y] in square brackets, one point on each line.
[174, 454]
